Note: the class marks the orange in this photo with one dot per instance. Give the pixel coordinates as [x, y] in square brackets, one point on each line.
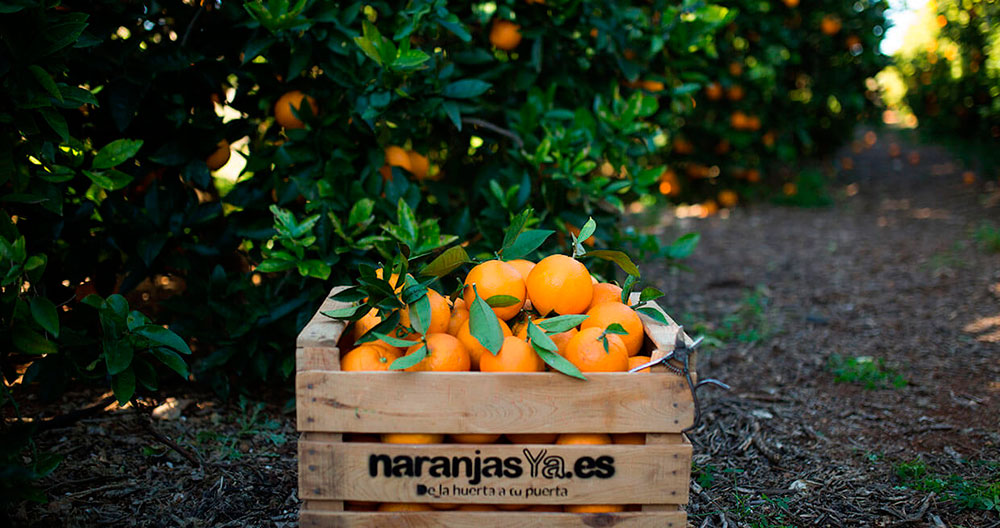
[791, 3]
[440, 313]
[522, 266]
[683, 146]
[283, 109]
[738, 120]
[734, 93]
[605, 292]
[360, 506]
[474, 438]
[544, 508]
[366, 323]
[652, 86]
[594, 508]
[368, 358]
[444, 505]
[559, 339]
[220, 157]
[459, 316]
[398, 157]
[419, 164]
[560, 284]
[768, 138]
[753, 122]
[753, 175]
[735, 69]
[445, 353]
[713, 91]
[789, 189]
[532, 438]
[629, 438]
[511, 507]
[473, 346]
[605, 314]
[728, 198]
[403, 507]
[412, 438]
[477, 507]
[587, 352]
[505, 35]
[830, 25]
[516, 355]
[636, 361]
[496, 277]
[583, 439]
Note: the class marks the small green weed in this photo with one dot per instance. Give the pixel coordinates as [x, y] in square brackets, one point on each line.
[251, 422]
[988, 237]
[865, 370]
[971, 495]
[747, 324]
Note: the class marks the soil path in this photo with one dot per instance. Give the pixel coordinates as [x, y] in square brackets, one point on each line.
[892, 272]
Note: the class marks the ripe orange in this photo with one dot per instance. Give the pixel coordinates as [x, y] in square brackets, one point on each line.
[753, 175]
[511, 507]
[635, 361]
[791, 3]
[412, 438]
[522, 266]
[366, 323]
[445, 354]
[477, 507]
[789, 189]
[713, 91]
[532, 438]
[474, 438]
[496, 277]
[594, 508]
[583, 439]
[830, 25]
[516, 355]
[604, 314]
[652, 86]
[682, 146]
[440, 313]
[768, 138]
[587, 352]
[629, 438]
[398, 157]
[419, 165]
[444, 505]
[283, 109]
[734, 93]
[560, 284]
[738, 120]
[473, 346]
[559, 339]
[368, 358]
[735, 69]
[544, 508]
[459, 316]
[728, 198]
[505, 35]
[220, 157]
[753, 122]
[404, 507]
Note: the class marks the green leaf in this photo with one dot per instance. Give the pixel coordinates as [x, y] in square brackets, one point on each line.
[45, 314]
[454, 113]
[172, 360]
[558, 362]
[361, 211]
[35, 261]
[349, 295]
[653, 314]
[314, 268]
[502, 301]
[275, 265]
[123, 385]
[396, 342]
[93, 300]
[615, 328]
[446, 262]
[526, 242]
[118, 355]
[369, 49]
[684, 246]
[618, 257]
[420, 314]
[345, 313]
[649, 294]
[56, 121]
[30, 342]
[145, 374]
[110, 180]
[46, 81]
[540, 338]
[562, 323]
[587, 230]
[410, 60]
[60, 35]
[465, 89]
[409, 360]
[162, 336]
[116, 152]
[627, 288]
[514, 229]
[484, 325]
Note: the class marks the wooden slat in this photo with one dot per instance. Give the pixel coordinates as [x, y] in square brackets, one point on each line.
[661, 440]
[321, 331]
[317, 358]
[662, 335]
[476, 402]
[456, 519]
[632, 474]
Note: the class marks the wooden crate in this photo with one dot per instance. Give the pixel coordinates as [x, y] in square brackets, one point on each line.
[331, 403]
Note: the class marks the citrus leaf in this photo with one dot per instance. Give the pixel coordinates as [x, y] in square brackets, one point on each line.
[446, 262]
[361, 211]
[30, 342]
[118, 356]
[587, 230]
[502, 301]
[618, 257]
[514, 229]
[46, 81]
[344, 313]
[684, 246]
[540, 338]
[116, 152]
[653, 314]
[615, 328]
[387, 325]
[171, 359]
[352, 294]
[526, 242]
[45, 314]
[454, 113]
[562, 323]
[465, 89]
[558, 362]
[409, 360]
[394, 341]
[110, 180]
[123, 385]
[162, 336]
[627, 288]
[649, 294]
[420, 314]
[484, 325]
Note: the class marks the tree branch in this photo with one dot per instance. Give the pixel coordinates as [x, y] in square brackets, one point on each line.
[490, 126]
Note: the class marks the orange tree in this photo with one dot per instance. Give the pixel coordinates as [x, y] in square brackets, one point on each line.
[787, 80]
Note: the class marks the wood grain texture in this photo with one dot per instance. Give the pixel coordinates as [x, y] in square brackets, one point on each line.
[322, 331]
[456, 519]
[560, 474]
[477, 402]
[662, 335]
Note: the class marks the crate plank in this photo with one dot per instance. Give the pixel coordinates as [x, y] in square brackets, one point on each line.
[322, 331]
[560, 474]
[475, 402]
[453, 519]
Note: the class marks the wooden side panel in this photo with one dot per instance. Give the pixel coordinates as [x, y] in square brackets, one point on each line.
[475, 402]
[456, 519]
[495, 473]
[321, 331]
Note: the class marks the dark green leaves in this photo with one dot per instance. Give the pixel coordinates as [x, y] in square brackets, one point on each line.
[44, 313]
[30, 342]
[394, 341]
[615, 328]
[562, 323]
[546, 349]
[484, 325]
[525, 243]
[585, 232]
[116, 152]
[621, 259]
[163, 337]
[502, 301]
[446, 262]
[109, 180]
[123, 385]
[652, 313]
[420, 313]
[684, 246]
[409, 360]
[649, 294]
[465, 89]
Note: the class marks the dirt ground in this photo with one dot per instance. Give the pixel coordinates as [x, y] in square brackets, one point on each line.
[892, 272]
